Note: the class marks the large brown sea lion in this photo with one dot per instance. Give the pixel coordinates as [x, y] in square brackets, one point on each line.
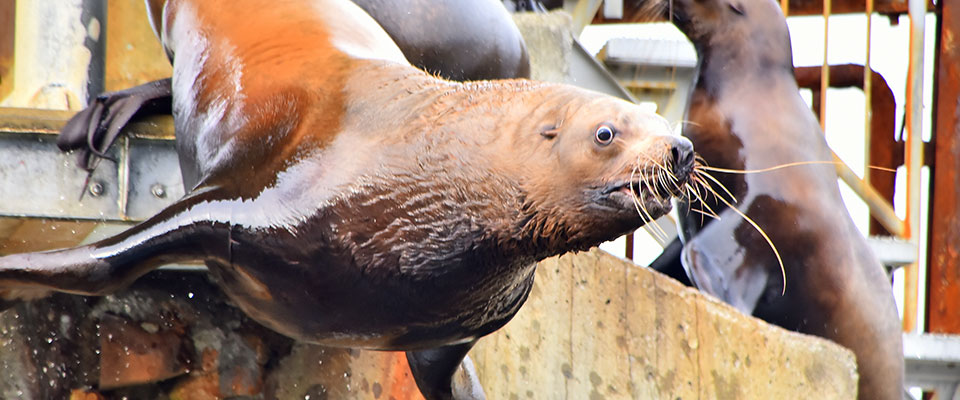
[346, 198]
[745, 113]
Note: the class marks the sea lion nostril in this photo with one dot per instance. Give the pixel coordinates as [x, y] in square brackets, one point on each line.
[681, 152]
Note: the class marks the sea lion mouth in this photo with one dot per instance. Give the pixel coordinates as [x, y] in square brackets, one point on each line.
[647, 195]
[641, 189]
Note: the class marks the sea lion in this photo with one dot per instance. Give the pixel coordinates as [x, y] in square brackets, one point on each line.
[745, 113]
[461, 41]
[347, 198]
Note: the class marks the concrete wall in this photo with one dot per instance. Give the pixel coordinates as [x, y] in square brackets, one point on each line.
[595, 327]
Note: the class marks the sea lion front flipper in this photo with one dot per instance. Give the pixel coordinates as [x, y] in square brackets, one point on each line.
[446, 373]
[94, 129]
[717, 266]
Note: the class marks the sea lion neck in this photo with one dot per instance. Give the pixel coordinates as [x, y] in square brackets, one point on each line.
[764, 57]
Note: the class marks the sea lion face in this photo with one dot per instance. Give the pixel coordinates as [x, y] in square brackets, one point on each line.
[734, 21]
[610, 167]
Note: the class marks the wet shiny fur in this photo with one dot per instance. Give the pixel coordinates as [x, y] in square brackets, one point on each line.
[346, 198]
[745, 113]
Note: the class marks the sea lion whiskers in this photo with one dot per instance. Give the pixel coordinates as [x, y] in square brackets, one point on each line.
[695, 191]
[700, 170]
[659, 186]
[712, 180]
[769, 169]
[655, 230]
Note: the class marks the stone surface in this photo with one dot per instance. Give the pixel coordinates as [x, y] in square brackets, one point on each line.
[599, 327]
[131, 355]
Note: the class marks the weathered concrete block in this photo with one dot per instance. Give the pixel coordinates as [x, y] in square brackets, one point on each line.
[549, 42]
[602, 328]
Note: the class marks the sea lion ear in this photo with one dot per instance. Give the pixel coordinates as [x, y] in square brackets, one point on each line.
[737, 8]
[550, 132]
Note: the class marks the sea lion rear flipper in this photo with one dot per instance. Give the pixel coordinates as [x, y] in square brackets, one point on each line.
[446, 372]
[94, 129]
[175, 235]
[715, 266]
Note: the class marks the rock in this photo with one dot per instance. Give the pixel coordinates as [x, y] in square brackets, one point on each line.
[130, 355]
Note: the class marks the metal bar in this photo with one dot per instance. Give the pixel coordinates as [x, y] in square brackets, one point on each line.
[612, 9]
[914, 156]
[583, 12]
[634, 10]
[586, 71]
[825, 68]
[41, 182]
[943, 262]
[880, 209]
[867, 93]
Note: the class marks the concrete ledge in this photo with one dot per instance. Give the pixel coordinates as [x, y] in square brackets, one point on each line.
[598, 327]
[595, 327]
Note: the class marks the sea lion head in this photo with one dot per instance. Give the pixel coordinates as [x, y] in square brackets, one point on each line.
[735, 25]
[602, 167]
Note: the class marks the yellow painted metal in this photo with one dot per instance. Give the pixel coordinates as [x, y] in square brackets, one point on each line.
[879, 207]
[7, 29]
[825, 69]
[134, 54]
[914, 158]
[868, 94]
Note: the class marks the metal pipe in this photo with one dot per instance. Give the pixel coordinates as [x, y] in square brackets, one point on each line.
[880, 209]
[867, 93]
[914, 156]
[825, 69]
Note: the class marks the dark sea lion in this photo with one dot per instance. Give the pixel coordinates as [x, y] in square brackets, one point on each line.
[745, 113]
[457, 40]
[347, 198]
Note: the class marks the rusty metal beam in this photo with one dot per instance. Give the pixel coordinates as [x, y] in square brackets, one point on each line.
[943, 265]
[648, 10]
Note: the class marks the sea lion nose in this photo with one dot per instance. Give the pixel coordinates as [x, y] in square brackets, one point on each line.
[681, 151]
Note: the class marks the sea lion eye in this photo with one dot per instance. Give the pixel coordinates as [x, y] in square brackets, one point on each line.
[604, 135]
